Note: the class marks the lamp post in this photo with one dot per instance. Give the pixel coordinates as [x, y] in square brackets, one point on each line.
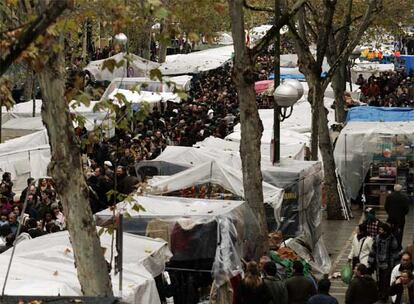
[122, 39]
[285, 96]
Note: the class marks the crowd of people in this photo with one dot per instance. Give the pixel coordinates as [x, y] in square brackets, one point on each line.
[42, 215]
[211, 109]
[382, 267]
[389, 89]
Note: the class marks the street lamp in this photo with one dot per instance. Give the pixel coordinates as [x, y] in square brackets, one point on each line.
[122, 39]
[285, 96]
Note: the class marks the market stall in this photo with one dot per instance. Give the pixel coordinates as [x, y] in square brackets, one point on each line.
[44, 266]
[375, 150]
[137, 67]
[208, 238]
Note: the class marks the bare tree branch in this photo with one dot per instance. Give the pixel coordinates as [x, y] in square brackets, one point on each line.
[37, 28]
[367, 20]
[325, 30]
[270, 35]
[256, 8]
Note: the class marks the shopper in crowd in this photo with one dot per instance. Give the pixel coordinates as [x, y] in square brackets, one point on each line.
[405, 264]
[397, 207]
[323, 296]
[252, 288]
[362, 289]
[299, 287]
[403, 288]
[274, 284]
[383, 257]
[372, 223]
[361, 247]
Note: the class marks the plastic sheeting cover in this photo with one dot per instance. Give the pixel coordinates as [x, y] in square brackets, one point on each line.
[380, 114]
[45, 266]
[196, 62]
[173, 217]
[138, 67]
[215, 173]
[356, 146]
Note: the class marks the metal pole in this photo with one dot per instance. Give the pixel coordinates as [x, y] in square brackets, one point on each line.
[120, 251]
[276, 109]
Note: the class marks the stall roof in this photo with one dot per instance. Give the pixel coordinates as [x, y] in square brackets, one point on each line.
[138, 67]
[45, 266]
[356, 145]
[196, 62]
[380, 114]
[215, 173]
[171, 206]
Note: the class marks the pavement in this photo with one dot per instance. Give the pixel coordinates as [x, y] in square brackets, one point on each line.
[337, 236]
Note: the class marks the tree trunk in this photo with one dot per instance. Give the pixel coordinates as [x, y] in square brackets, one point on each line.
[325, 146]
[312, 98]
[66, 170]
[339, 87]
[251, 125]
[162, 52]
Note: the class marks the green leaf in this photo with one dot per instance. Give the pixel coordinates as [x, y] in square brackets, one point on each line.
[183, 95]
[137, 207]
[161, 13]
[101, 231]
[109, 64]
[156, 74]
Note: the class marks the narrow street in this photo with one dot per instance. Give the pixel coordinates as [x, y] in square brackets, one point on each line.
[337, 236]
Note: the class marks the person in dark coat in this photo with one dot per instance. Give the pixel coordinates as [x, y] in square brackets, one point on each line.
[397, 207]
[323, 296]
[252, 288]
[276, 287]
[299, 288]
[383, 257]
[403, 288]
[362, 289]
[125, 183]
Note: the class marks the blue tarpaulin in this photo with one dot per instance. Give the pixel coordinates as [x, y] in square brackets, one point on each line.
[293, 76]
[380, 114]
[408, 62]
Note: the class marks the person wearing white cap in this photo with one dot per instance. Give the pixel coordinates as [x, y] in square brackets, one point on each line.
[397, 207]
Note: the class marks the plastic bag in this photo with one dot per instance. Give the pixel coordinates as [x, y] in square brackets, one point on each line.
[346, 273]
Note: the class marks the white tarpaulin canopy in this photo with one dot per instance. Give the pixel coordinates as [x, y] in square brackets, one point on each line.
[26, 156]
[169, 206]
[25, 110]
[45, 266]
[368, 69]
[215, 173]
[138, 67]
[356, 145]
[196, 62]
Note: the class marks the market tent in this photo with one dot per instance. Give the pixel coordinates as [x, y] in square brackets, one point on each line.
[17, 127]
[26, 156]
[196, 62]
[368, 69]
[213, 173]
[380, 114]
[359, 141]
[25, 110]
[193, 156]
[138, 67]
[224, 39]
[44, 266]
[221, 231]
